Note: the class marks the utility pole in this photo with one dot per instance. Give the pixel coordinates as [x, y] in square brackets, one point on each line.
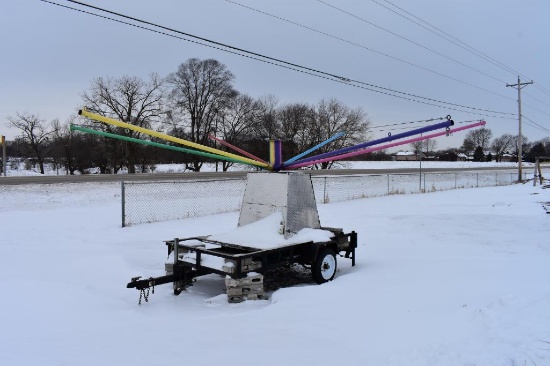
[519, 86]
[4, 160]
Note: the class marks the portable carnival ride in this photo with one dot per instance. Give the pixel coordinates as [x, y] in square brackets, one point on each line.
[278, 226]
[278, 223]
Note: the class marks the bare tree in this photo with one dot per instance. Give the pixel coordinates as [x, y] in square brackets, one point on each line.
[426, 146]
[326, 119]
[417, 147]
[546, 142]
[303, 126]
[36, 132]
[525, 145]
[480, 137]
[429, 146]
[129, 99]
[68, 147]
[199, 92]
[537, 150]
[267, 124]
[333, 116]
[296, 123]
[236, 124]
[502, 144]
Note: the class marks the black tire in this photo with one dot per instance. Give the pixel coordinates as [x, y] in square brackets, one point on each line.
[324, 268]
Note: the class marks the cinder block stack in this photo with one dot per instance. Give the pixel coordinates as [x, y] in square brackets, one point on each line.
[250, 287]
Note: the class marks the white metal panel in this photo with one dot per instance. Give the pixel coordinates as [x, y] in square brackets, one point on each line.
[290, 193]
[265, 194]
[301, 205]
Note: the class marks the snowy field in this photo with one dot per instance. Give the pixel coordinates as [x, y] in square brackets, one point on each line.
[459, 277]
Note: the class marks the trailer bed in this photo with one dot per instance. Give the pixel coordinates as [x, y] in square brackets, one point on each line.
[266, 234]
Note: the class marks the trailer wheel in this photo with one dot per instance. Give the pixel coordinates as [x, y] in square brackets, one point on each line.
[324, 268]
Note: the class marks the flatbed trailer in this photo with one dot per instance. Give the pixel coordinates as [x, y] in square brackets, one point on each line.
[198, 256]
[278, 226]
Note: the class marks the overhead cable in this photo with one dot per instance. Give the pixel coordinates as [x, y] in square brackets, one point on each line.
[374, 50]
[285, 64]
[409, 40]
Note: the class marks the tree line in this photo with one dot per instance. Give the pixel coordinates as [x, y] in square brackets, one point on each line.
[480, 145]
[480, 142]
[197, 100]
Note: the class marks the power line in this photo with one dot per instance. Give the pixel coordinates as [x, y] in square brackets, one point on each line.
[374, 50]
[448, 37]
[408, 127]
[285, 64]
[535, 124]
[538, 100]
[404, 123]
[535, 127]
[543, 89]
[411, 41]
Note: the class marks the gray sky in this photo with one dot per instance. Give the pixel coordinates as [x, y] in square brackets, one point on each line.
[50, 54]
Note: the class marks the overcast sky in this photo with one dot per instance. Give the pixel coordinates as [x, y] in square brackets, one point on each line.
[50, 54]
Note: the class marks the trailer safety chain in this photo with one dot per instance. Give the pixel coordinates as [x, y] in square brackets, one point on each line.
[144, 292]
[145, 295]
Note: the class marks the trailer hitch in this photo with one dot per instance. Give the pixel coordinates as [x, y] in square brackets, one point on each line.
[144, 286]
[148, 284]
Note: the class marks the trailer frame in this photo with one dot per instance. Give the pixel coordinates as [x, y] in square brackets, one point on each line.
[247, 259]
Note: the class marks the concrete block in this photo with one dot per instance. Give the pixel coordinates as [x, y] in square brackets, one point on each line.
[234, 291]
[228, 268]
[252, 266]
[253, 279]
[253, 297]
[256, 297]
[235, 299]
[230, 282]
[253, 289]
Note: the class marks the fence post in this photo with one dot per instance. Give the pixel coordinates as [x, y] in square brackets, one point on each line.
[424, 182]
[325, 191]
[4, 159]
[477, 180]
[388, 184]
[455, 180]
[123, 200]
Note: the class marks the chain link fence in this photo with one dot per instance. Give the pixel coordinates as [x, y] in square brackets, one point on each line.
[145, 202]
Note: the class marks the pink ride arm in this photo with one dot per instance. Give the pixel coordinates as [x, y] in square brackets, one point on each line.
[236, 149]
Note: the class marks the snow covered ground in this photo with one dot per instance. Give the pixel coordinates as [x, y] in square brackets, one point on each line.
[458, 277]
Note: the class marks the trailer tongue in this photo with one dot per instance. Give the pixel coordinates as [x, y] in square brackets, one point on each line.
[278, 226]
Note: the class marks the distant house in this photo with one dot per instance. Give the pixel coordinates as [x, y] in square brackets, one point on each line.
[461, 157]
[407, 156]
[506, 158]
[448, 156]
